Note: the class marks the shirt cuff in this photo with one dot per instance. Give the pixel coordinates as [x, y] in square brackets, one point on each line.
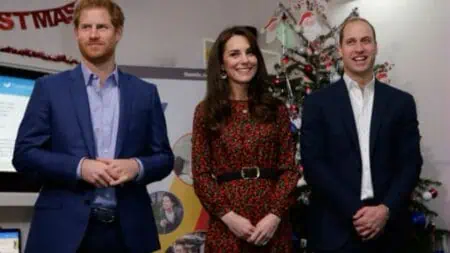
[140, 174]
[79, 168]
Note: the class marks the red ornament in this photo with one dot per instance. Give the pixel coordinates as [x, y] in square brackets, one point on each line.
[308, 69]
[276, 81]
[285, 60]
[293, 108]
[430, 194]
[308, 90]
[381, 75]
[434, 192]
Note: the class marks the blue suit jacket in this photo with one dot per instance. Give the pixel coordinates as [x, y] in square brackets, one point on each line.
[332, 160]
[56, 132]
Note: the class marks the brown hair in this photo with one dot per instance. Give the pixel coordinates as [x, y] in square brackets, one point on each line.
[352, 20]
[262, 105]
[114, 10]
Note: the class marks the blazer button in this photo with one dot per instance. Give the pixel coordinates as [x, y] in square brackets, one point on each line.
[87, 202]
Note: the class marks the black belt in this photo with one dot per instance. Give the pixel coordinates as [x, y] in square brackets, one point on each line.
[249, 173]
[103, 215]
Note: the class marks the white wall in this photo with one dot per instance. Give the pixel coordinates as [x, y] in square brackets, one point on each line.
[414, 35]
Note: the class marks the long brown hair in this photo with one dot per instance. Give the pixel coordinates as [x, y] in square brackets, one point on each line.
[262, 105]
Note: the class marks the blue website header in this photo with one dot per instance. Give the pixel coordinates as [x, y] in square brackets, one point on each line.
[16, 86]
[8, 235]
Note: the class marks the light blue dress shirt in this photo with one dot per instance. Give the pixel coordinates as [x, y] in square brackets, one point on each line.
[104, 104]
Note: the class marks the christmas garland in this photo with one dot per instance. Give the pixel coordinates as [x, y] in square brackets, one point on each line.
[40, 55]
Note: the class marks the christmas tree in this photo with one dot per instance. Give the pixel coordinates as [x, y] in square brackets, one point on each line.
[310, 61]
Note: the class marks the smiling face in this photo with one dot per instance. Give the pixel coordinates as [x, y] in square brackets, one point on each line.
[239, 61]
[96, 36]
[167, 203]
[358, 50]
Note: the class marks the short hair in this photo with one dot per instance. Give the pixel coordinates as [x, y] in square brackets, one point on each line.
[353, 20]
[114, 10]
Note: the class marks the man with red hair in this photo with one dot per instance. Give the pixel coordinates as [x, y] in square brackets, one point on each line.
[95, 136]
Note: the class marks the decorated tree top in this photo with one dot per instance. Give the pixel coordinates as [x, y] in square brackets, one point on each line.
[310, 58]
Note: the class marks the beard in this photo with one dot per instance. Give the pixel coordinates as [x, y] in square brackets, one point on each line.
[97, 58]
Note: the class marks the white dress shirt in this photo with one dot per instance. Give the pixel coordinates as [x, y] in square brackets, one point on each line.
[362, 103]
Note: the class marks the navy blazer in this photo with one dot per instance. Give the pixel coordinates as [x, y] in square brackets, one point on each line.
[56, 132]
[332, 161]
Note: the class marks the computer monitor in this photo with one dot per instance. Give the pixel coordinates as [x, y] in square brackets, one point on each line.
[16, 85]
[10, 240]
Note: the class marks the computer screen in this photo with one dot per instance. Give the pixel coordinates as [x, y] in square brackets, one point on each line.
[14, 96]
[10, 241]
[16, 86]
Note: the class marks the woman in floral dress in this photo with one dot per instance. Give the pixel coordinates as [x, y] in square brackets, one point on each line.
[243, 152]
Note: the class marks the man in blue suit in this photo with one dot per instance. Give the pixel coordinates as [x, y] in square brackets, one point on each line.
[361, 154]
[96, 137]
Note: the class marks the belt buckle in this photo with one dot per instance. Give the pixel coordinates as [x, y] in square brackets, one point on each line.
[104, 215]
[244, 169]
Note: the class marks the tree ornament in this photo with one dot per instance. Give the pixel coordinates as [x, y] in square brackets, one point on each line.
[276, 81]
[294, 108]
[419, 219]
[430, 194]
[308, 68]
[308, 90]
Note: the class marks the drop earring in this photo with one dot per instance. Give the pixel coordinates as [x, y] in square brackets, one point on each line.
[223, 75]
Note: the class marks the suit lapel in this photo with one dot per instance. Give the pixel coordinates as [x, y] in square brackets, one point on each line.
[81, 105]
[380, 101]
[126, 97]
[347, 112]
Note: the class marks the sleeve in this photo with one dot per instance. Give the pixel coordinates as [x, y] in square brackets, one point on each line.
[159, 163]
[140, 173]
[207, 189]
[409, 159]
[79, 168]
[316, 169]
[282, 197]
[32, 153]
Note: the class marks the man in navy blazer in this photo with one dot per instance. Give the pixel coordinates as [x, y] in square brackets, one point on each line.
[361, 154]
[95, 137]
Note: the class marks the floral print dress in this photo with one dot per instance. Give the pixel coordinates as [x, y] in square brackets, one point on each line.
[242, 142]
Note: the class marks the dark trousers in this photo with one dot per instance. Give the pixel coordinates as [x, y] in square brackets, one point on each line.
[383, 244]
[102, 237]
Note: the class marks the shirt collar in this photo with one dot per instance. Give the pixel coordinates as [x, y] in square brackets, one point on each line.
[88, 75]
[352, 84]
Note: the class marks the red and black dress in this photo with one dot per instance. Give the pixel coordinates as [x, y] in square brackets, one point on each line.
[242, 142]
